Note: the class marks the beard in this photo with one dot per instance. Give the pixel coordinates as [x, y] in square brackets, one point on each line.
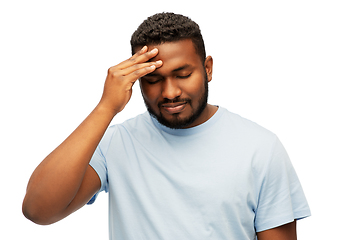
[176, 122]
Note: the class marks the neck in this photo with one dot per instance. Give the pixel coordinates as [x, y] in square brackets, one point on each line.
[208, 112]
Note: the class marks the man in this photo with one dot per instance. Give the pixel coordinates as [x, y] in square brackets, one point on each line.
[183, 170]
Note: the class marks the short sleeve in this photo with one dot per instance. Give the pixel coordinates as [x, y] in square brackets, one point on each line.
[281, 198]
[98, 163]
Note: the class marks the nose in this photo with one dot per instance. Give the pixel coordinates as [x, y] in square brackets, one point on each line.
[170, 89]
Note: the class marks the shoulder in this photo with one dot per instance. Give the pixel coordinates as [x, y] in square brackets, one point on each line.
[138, 122]
[245, 128]
[128, 128]
[139, 125]
[250, 139]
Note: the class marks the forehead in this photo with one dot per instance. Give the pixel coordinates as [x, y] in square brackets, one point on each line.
[175, 54]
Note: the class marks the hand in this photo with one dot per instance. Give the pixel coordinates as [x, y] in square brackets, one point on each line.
[121, 78]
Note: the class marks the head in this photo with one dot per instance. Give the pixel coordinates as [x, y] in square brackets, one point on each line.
[176, 93]
[168, 27]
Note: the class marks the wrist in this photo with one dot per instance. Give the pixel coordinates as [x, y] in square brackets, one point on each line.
[105, 111]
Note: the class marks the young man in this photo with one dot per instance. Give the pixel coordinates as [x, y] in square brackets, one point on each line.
[183, 170]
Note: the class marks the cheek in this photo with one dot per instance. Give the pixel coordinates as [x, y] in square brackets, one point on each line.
[195, 86]
[149, 92]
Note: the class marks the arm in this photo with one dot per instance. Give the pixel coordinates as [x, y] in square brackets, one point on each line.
[284, 232]
[64, 181]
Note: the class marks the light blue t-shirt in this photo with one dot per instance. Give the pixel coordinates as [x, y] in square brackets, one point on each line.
[227, 178]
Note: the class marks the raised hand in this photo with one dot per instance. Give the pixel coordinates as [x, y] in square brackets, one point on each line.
[121, 78]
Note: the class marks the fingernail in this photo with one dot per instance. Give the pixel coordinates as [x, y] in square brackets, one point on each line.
[154, 50]
[152, 67]
[143, 49]
[159, 62]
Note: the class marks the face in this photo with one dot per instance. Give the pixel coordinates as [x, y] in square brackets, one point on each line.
[176, 93]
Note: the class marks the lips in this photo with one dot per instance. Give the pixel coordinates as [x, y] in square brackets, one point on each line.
[172, 108]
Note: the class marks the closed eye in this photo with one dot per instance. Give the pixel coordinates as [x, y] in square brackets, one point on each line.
[151, 79]
[184, 77]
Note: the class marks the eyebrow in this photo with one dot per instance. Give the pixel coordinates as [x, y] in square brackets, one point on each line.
[181, 68]
[175, 70]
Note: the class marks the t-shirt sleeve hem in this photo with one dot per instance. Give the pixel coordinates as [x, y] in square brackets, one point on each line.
[277, 222]
[92, 200]
[302, 214]
[273, 223]
[98, 168]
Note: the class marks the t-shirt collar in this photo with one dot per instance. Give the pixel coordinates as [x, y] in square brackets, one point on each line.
[193, 130]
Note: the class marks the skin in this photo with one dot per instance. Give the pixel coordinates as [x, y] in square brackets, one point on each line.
[176, 90]
[64, 182]
[284, 232]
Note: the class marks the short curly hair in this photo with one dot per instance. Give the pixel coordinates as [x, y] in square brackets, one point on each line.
[168, 27]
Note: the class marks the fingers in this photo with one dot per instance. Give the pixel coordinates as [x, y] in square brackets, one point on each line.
[141, 56]
[120, 79]
[139, 70]
[137, 66]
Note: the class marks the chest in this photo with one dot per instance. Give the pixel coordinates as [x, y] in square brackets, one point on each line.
[206, 178]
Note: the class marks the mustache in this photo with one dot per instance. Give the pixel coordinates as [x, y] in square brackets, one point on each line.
[175, 100]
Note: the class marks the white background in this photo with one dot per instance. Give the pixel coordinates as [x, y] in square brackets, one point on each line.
[294, 68]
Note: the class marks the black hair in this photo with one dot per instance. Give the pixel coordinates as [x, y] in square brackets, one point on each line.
[168, 27]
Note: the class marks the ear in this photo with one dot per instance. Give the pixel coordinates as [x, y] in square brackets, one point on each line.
[208, 64]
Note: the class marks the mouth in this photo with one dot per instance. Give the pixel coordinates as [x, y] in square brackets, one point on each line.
[173, 108]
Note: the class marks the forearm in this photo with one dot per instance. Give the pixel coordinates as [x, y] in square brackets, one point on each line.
[55, 182]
